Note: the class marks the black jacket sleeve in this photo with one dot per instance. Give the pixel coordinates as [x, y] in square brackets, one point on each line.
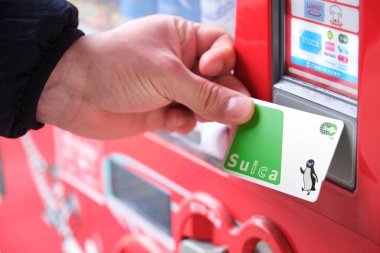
[34, 34]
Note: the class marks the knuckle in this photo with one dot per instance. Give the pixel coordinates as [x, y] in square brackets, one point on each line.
[209, 95]
[168, 71]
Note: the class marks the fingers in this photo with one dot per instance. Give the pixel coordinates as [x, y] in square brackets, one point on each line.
[219, 59]
[229, 82]
[173, 118]
[91, 123]
[213, 101]
[224, 98]
[207, 46]
[215, 49]
[179, 119]
[232, 83]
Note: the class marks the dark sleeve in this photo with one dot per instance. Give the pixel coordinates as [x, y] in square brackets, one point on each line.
[34, 34]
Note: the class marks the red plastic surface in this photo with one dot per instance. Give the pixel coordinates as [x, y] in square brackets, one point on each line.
[253, 45]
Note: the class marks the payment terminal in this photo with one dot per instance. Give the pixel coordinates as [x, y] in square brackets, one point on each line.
[320, 71]
[321, 56]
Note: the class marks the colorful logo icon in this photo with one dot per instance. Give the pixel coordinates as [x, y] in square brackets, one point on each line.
[314, 10]
[330, 35]
[343, 38]
[311, 42]
[330, 46]
[328, 129]
[343, 59]
[342, 50]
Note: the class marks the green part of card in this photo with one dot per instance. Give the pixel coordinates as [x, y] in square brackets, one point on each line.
[256, 150]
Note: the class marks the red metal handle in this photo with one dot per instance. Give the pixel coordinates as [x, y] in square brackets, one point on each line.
[136, 243]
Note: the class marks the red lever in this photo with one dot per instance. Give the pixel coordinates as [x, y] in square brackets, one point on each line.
[245, 238]
[136, 243]
[202, 209]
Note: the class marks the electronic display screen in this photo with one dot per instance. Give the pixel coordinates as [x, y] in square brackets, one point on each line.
[140, 195]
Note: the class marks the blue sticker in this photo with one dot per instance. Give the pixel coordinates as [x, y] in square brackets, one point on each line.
[325, 70]
[311, 42]
[314, 10]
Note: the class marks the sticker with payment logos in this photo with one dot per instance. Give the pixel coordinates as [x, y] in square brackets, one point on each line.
[327, 13]
[325, 50]
[284, 149]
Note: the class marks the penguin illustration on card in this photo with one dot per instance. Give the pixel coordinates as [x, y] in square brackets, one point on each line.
[310, 178]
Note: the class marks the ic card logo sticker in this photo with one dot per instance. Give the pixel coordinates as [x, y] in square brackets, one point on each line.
[326, 51]
[328, 128]
[330, 35]
[343, 59]
[311, 42]
[314, 10]
[336, 14]
[310, 178]
[343, 38]
[330, 46]
[342, 50]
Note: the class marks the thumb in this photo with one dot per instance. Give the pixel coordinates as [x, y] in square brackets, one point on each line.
[214, 101]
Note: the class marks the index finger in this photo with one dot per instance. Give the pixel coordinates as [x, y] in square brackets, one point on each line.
[215, 49]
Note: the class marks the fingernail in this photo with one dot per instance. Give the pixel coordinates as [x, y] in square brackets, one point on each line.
[239, 108]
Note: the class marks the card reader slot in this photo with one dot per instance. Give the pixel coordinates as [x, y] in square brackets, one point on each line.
[343, 166]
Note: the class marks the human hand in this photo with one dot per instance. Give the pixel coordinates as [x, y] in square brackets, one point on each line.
[157, 72]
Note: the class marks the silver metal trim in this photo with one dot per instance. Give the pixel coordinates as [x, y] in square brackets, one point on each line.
[328, 99]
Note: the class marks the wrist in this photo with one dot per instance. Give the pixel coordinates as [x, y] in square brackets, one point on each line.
[62, 92]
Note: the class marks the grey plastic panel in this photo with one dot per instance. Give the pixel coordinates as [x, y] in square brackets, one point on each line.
[196, 246]
[343, 166]
[145, 198]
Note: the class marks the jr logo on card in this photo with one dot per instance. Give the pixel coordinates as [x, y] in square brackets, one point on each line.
[253, 160]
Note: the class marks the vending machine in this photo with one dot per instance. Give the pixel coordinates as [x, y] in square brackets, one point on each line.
[161, 193]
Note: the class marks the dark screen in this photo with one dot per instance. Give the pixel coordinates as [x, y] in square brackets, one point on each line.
[146, 199]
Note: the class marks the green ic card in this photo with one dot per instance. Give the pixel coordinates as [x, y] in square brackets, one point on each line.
[284, 149]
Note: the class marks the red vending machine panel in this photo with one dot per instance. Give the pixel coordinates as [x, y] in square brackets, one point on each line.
[321, 58]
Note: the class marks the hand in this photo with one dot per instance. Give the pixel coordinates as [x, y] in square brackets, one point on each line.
[158, 72]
